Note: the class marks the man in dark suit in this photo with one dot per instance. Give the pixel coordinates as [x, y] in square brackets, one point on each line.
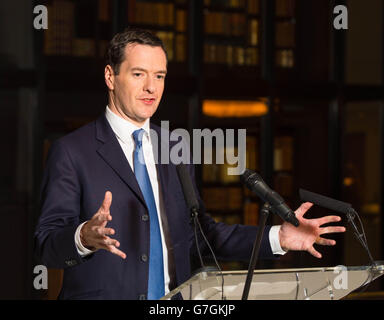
[111, 162]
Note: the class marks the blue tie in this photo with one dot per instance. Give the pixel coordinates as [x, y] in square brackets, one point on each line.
[156, 269]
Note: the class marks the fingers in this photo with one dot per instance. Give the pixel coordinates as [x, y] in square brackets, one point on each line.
[314, 252]
[103, 215]
[104, 231]
[106, 202]
[107, 241]
[325, 242]
[103, 218]
[303, 209]
[328, 219]
[96, 234]
[117, 252]
[111, 245]
[332, 230]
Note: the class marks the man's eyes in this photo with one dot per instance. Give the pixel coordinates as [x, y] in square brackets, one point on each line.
[140, 74]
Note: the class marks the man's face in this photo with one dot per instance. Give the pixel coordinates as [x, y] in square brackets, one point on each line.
[135, 93]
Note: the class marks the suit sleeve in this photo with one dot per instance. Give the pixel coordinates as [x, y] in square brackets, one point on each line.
[231, 242]
[60, 210]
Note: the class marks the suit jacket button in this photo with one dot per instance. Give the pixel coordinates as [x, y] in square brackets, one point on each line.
[70, 263]
[144, 217]
[144, 258]
[142, 297]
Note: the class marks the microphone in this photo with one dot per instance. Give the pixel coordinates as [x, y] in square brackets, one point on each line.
[193, 207]
[255, 183]
[188, 191]
[342, 207]
[325, 202]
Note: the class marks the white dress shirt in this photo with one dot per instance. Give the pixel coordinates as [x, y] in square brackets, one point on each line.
[123, 130]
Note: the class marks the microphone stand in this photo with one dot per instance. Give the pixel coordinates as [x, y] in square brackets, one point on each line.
[360, 236]
[204, 269]
[195, 222]
[264, 212]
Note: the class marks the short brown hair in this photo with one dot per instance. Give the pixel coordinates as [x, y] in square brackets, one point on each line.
[115, 51]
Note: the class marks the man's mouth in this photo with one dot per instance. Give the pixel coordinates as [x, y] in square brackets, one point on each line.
[148, 101]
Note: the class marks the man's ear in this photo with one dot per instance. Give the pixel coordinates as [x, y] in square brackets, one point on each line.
[109, 77]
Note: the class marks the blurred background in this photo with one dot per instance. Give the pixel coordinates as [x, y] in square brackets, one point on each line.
[310, 96]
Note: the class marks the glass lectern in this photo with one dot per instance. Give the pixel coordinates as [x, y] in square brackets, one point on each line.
[329, 283]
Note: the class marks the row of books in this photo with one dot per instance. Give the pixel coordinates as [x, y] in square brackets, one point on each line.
[230, 55]
[61, 36]
[223, 198]
[58, 37]
[283, 153]
[249, 215]
[223, 23]
[175, 44]
[251, 6]
[151, 13]
[285, 58]
[228, 218]
[225, 3]
[283, 160]
[285, 34]
[227, 26]
[283, 8]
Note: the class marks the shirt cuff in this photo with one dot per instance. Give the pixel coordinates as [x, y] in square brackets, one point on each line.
[81, 250]
[275, 241]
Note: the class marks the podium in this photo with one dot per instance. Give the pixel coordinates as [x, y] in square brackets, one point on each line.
[328, 283]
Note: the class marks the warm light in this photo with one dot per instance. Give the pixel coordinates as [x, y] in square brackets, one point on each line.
[234, 109]
[348, 181]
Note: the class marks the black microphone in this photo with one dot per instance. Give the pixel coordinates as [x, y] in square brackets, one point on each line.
[188, 191]
[256, 184]
[342, 207]
[325, 202]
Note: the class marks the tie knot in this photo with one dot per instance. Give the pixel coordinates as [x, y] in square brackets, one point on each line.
[138, 137]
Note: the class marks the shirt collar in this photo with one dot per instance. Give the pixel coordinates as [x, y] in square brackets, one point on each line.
[124, 128]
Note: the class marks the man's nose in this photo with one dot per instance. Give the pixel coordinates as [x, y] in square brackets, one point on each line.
[149, 85]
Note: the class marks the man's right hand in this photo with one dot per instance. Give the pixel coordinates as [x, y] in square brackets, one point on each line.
[94, 234]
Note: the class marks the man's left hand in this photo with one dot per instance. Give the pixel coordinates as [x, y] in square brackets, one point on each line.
[308, 232]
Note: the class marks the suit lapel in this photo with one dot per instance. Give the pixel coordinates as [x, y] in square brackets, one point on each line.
[112, 153]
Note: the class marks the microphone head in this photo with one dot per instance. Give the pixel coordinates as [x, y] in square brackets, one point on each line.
[249, 177]
[255, 183]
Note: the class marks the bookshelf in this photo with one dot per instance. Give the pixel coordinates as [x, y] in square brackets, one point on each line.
[78, 29]
[167, 19]
[82, 29]
[285, 39]
[232, 32]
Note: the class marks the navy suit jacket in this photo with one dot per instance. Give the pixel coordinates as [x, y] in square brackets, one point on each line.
[80, 168]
